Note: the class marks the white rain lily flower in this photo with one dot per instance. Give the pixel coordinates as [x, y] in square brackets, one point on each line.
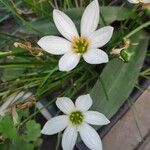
[73, 45]
[139, 1]
[76, 119]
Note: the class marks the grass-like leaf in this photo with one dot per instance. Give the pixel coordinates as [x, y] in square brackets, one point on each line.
[119, 79]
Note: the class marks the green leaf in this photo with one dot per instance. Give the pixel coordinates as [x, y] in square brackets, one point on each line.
[110, 14]
[20, 65]
[114, 13]
[32, 132]
[11, 73]
[43, 25]
[41, 8]
[7, 128]
[119, 79]
[4, 146]
[21, 145]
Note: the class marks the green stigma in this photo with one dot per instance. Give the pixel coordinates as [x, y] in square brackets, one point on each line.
[76, 117]
[80, 45]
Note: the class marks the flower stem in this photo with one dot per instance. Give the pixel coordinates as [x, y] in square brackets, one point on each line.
[137, 29]
[58, 141]
[10, 53]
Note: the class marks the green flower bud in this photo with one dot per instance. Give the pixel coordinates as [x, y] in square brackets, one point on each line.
[126, 55]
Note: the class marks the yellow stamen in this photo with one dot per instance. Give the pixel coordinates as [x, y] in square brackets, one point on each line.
[76, 118]
[80, 45]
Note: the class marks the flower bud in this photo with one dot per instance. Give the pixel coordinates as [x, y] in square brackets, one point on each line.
[126, 55]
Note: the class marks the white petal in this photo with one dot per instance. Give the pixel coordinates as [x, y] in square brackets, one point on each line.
[95, 56]
[134, 1]
[100, 37]
[65, 25]
[83, 102]
[90, 137]
[90, 18]
[69, 138]
[65, 104]
[146, 1]
[55, 125]
[95, 118]
[54, 45]
[68, 61]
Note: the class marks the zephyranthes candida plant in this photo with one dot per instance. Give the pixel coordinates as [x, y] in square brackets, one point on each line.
[76, 119]
[74, 45]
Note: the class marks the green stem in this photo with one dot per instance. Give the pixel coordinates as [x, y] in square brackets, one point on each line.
[19, 65]
[19, 17]
[56, 5]
[10, 53]
[76, 3]
[48, 76]
[35, 113]
[12, 36]
[103, 19]
[137, 30]
[58, 141]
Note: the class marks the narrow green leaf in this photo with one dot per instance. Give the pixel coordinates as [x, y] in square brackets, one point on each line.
[11, 73]
[119, 79]
[110, 14]
[19, 65]
[114, 13]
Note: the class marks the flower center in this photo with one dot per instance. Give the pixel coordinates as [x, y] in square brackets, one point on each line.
[76, 117]
[80, 45]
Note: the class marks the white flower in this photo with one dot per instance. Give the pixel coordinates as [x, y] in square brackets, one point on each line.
[77, 119]
[74, 46]
[139, 1]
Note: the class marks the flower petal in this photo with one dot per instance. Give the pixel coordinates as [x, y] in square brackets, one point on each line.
[90, 18]
[65, 25]
[69, 138]
[95, 118]
[54, 45]
[146, 1]
[65, 104]
[100, 37]
[95, 56]
[134, 1]
[55, 125]
[90, 137]
[68, 61]
[83, 102]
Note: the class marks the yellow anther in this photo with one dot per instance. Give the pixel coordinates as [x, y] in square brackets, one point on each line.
[76, 117]
[80, 45]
